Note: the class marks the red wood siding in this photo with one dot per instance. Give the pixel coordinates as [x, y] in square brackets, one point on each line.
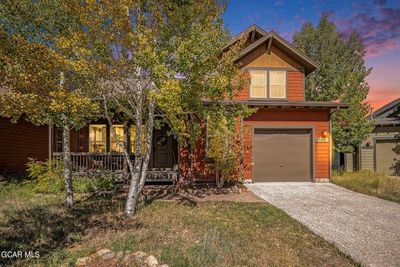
[21, 141]
[260, 58]
[295, 86]
[319, 119]
[315, 118]
[201, 171]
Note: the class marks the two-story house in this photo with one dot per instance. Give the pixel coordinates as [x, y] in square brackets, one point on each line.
[290, 138]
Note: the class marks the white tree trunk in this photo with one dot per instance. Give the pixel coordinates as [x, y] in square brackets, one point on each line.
[139, 176]
[135, 171]
[69, 197]
[149, 146]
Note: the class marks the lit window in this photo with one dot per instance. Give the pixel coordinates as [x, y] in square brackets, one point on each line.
[133, 139]
[117, 138]
[258, 85]
[97, 138]
[277, 84]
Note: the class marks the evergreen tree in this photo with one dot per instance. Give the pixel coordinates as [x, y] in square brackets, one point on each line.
[340, 77]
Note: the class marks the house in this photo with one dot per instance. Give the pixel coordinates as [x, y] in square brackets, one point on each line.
[378, 152]
[290, 138]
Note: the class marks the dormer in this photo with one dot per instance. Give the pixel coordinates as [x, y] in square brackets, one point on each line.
[276, 68]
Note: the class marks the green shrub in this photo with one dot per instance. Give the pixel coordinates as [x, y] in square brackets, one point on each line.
[93, 184]
[47, 177]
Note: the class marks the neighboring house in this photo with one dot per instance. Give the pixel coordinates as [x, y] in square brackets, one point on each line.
[378, 151]
[289, 140]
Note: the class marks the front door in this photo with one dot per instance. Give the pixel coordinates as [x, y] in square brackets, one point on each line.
[162, 149]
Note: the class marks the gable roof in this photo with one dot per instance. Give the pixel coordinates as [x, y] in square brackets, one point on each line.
[269, 37]
[258, 32]
[386, 115]
[387, 109]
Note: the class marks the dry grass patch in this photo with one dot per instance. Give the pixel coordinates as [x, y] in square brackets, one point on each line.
[374, 184]
[200, 234]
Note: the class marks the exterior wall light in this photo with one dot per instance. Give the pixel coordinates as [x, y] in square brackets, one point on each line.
[324, 134]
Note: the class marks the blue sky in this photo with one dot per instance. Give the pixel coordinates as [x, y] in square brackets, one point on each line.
[377, 21]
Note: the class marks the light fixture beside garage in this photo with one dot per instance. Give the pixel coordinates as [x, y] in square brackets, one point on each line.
[323, 137]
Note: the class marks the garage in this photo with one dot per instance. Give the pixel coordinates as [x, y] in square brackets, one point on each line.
[282, 155]
[385, 157]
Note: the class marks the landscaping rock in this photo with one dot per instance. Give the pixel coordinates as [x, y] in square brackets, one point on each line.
[140, 257]
[108, 258]
[151, 261]
[103, 251]
[83, 261]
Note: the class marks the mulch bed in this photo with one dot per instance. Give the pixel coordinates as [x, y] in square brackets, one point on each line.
[196, 193]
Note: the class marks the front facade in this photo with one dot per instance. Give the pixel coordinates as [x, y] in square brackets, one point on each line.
[288, 138]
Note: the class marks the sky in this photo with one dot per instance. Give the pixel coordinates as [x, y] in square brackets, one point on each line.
[377, 21]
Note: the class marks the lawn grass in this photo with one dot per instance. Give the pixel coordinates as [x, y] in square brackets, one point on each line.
[374, 184]
[199, 234]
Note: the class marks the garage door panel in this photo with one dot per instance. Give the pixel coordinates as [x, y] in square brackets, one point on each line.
[282, 155]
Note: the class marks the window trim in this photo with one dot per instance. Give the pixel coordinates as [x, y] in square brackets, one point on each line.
[268, 70]
[269, 85]
[266, 86]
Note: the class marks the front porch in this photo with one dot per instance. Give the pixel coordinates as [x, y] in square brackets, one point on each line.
[95, 151]
[111, 163]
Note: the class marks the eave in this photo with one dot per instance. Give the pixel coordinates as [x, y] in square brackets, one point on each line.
[286, 104]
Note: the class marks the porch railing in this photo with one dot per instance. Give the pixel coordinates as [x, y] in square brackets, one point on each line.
[83, 163]
[92, 163]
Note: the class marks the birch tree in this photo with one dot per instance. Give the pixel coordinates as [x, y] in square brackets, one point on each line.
[164, 60]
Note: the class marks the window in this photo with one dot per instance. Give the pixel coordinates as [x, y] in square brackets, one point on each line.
[258, 85]
[117, 138]
[97, 138]
[133, 139]
[277, 84]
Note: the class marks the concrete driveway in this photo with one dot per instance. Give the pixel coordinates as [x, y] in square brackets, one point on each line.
[364, 227]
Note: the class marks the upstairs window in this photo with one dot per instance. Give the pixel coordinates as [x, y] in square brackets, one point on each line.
[277, 84]
[258, 85]
[268, 84]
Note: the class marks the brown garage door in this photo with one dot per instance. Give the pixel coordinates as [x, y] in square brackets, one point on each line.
[282, 155]
[386, 158]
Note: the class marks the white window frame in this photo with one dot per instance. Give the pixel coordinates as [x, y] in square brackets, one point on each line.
[266, 84]
[270, 86]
